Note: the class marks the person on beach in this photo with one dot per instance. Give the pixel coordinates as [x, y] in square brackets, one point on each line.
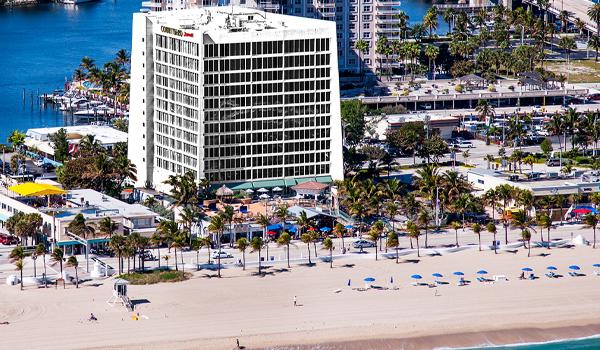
[92, 317]
[295, 301]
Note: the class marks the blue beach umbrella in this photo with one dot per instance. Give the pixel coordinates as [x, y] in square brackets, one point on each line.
[325, 229]
[369, 279]
[527, 269]
[552, 268]
[417, 277]
[348, 227]
[574, 267]
[482, 272]
[458, 273]
[437, 275]
[596, 265]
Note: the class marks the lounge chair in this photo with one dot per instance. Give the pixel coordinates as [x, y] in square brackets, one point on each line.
[572, 274]
[550, 275]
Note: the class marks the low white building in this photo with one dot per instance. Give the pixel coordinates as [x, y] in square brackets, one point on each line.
[441, 125]
[39, 138]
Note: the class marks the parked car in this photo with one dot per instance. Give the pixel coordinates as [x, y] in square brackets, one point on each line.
[462, 144]
[553, 162]
[38, 162]
[8, 240]
[223, 254]
[361, 243]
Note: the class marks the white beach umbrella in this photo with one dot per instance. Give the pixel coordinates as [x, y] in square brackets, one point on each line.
[263, 190]
[249, 191]
[278, 189]
[264, 196]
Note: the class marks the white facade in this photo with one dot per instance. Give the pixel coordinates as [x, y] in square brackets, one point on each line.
[39, 138]
[234, 96]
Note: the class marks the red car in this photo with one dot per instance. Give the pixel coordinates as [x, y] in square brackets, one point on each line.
[8, 239]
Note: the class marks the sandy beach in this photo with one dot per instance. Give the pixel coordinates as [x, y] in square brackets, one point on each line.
[211, 313]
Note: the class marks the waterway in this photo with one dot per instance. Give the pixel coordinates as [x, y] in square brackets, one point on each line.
[43, 44]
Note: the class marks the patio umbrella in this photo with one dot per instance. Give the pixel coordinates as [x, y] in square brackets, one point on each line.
[325, 229]
[262, 190]
[482, 272]
[458, 273]
[271, 233]
[311, 229]
[582, 211]
[437, 275]
[574, 267]
[264, 196]
[417, 277]
[369, 279]
[277, 189]
[348, 227]
[249, 191]
[551, 268]
[528, 269]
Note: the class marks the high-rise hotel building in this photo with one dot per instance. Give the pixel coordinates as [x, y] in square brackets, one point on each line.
[234, 95]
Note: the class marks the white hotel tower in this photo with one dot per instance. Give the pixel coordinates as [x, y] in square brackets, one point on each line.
[235, 95]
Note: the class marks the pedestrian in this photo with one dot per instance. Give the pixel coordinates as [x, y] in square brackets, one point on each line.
[295, 301]
[237, 341]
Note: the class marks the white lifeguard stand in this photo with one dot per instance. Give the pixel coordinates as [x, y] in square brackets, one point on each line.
[120, 294]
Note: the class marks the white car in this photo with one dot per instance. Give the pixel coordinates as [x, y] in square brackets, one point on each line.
[223, 254]
[38, 162]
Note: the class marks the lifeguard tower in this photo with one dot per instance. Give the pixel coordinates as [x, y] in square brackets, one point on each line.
[120, 294]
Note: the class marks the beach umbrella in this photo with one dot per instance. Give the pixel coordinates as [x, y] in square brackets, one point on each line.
[417, 277]
[437, 275]
[528, 269]
[369, 279]
[262, 190]
[596, 265]
[349, 227]
[264, 196]
[574, 267]
[311, 229]
[277, 189]
[325, 229]
[482, 272]
[458, 273]
[581, 211]
[271, 233]
[249, 191]
[552, 268]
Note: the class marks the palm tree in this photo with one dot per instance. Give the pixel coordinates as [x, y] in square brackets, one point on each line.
[430, 20]
[594, 44]
[19, 264]
[178, 242]
[166, 259]
[484, 109]
[107, 227]
[423, 219]
[40, 249]
[526, 236]
[207, 242]
[57, 256]
[257, 244]
[339, 230]
[157, 239]
[80, 228]
[362, 46]
[16, 139]
[122, 58]
[545, 222]
[307, 238]
[591, 220]
[375, 234]
[284, 240]
[392, 242]
[328, 245]
[477, 230]
[196, 245]
[491, 228]
[448, 17]
[228, 215]
[117, 245]
[456, 225]
[594, 14]
[217, 225]
[414, 233]
[72, 262]
[432, 52]
[567, 43]
[264, 222]
[17, 255]
[505, 194]
[242, 245]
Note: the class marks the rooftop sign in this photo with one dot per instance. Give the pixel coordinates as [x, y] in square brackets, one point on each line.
[177, 32]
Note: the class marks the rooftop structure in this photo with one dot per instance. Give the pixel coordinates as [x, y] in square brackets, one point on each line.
[39, 138]
[235, 96]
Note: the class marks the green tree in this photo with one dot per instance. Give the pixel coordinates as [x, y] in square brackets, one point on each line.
[40, 249]
[491, 228]
[392, 242]
[594, 13]
[107, 227]
[57, 256]
[339, 230]
[526, 236]
[157, 240]
[61, 145]
[545, 222]
[217, 225]
[456, 225]
[591, 220]
[79, 227]
[477, 230]
[546, 147]
[328, 245]
[414, 233]
[284, 240]
[362, 46]
[353, 120]
[243, 245]
[594, 44]
[257, 244]
[16, 139]
[308, 239]
[375, 234]
[72, 262]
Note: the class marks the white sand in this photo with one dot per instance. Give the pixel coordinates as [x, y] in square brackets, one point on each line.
[210, 313]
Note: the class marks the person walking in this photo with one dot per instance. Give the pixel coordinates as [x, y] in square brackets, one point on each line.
[295, 301]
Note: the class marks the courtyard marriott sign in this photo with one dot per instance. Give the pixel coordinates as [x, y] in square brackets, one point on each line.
[174, 31]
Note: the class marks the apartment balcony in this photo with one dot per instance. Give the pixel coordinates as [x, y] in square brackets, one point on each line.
[382, 12]
[388, 3]
[385, 30]
[386, 20]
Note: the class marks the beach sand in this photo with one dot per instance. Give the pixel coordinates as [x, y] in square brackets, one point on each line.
[211, 313]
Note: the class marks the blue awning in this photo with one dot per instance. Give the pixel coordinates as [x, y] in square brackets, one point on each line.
[274, 227]
[66, 243]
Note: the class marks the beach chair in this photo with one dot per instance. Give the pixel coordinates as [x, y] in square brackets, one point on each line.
[572, 274]
[550, 275]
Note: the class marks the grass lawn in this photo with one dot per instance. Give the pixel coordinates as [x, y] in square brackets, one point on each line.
[152, 277]
[580, 71]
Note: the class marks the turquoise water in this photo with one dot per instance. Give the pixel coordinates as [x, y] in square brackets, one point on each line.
[578, 344]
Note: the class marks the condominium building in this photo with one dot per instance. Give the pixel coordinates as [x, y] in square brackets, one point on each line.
[235, 96]
[354, 20]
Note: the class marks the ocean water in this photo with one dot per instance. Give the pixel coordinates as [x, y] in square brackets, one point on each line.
[590, 343]
[42, 46]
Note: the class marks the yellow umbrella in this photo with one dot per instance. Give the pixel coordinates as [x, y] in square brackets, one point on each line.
[33, 189]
